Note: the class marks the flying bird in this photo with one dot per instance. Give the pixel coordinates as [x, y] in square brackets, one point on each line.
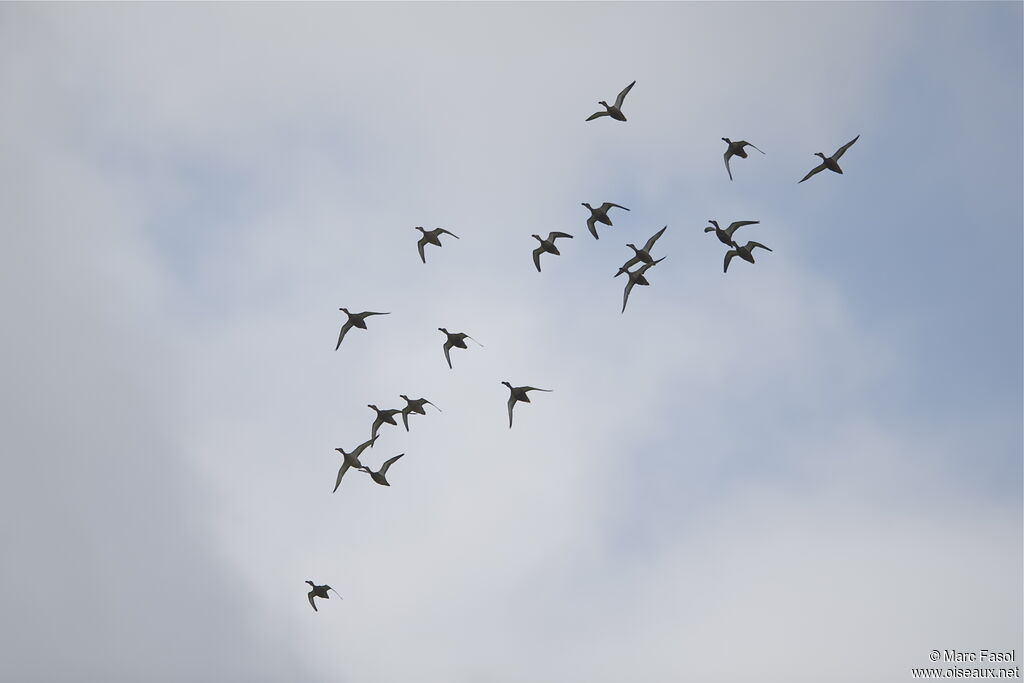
[456, 339]
[416, 406]
[641, 255]
[351, 460]
[431, 237]
[599, 215]
[518, 394]
[736, 149]
[745, 252]
[637, 278]
[380, 476]
[832, 162]
[547, 246]
[320, 592]
[614, 111]
[725, 236]
[383, 417]
[354, 320]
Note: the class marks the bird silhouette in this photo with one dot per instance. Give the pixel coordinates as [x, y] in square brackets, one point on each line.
[431, 237]
[832, 162]
[615, 110]
[736, 149]
[354, 320]
[518, 394]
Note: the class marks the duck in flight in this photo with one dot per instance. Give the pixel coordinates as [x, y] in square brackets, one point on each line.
[456, 339]
[416, 406]
[736, 149]
[351, 460]
[380, 476]
[547, 246]
[745, 252]
[431, 237]
[614, 111]
[354, 320]
[320, 592]
[383, 417]
[519, 394]
[725, 236]
[832, 162]
[600, 215]
[641, 255]
[637, 278]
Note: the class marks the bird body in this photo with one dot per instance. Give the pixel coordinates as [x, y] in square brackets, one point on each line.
[725, 236]
[636, 277]
[354, 320]
[431, 237]
[380, 476]
[457, 340]
[614, 110]
[351, 460]
[736, 149]
[641, 255]
[745, 252]
[547, 246]
[320, 592]
[416, 406]
[518, 394]
[383, 417]
[831, 163]
[600, 215]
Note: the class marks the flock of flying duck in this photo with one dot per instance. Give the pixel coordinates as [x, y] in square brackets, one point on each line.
[457, 340]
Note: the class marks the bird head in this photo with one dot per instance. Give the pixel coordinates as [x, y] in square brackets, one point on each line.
[507, 385]
[621, 271]
[441, 329]
[420, 228]
[714, 223]
[587, 205]
[536, 237]
[370, 405]
[727, 141]
[343, 309]
[604, 104]
[819, 154]
[404, 396]
[311, 584]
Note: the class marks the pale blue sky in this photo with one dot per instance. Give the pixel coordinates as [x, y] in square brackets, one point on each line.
[821, 448]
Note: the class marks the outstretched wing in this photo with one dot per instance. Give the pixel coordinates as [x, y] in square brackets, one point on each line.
[341, 473]
[536, 389]
[405, 417]
[511, 402]
[728, 257]
[727, 169]
[536, 257]
[750, 144]
[367, 313]
[438, 409]
[447, 232]
[649, 244]
[625, 294]
[751, 245]
[468, 337]
[597, 115]
[842, 150]
[592, 227]
[419, 246]
[738, 224]
[608, 205]
[387, 464]
[448, 345]
[627, 265]
[622, 95]
[817, 169]
[553, 235]
[310, 594]
[344, 330]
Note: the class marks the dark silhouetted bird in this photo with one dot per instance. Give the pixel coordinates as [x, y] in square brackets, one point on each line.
[599, 215]
[725, 236]
[431, 237]
[456, 339]
[744, 252]
[383, 417]
[380, 476]
[641, 255]
[736, 149]
[614, 111]
[518, 394]
[832, 162]
[354, 320]
[320, 592]
[637, 278]
[547, 246]
[414, 406]
[351, 460]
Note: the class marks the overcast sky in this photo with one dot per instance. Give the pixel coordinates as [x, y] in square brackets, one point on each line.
[805, 469]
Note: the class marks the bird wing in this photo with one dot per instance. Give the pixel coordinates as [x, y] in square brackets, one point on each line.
[438, 409]
[608, 205]
[750, 246]
[419, 246]
[597, 114]
[536, 257]
[654, 238]
[625, 294]
[447, 232]
[728, 257]
[405, 417]
[387, 464]
[750, 144]
[817, 169]
[468, 337]
[310, 595]
[511, 402]
[554, 235]
[344, 330]
[842, 150]
[631, 262]
[592, 227]
[366, 313]
[448, 345]
[341, 473]
[727, 169]
[738, 224]
[536, 389]
[622, 95]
